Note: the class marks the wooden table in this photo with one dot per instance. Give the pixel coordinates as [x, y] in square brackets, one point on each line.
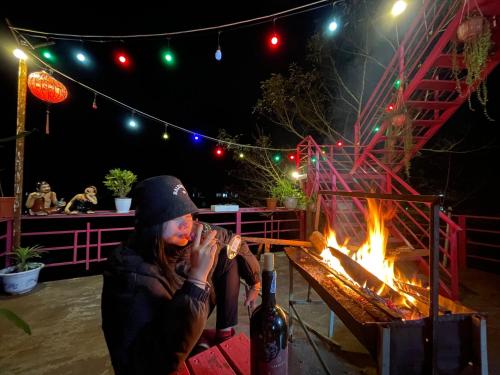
[230, 357]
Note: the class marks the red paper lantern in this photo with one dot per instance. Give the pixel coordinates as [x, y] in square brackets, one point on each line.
[47, 88]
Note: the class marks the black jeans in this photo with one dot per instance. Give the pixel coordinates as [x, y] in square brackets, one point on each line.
[226, 280]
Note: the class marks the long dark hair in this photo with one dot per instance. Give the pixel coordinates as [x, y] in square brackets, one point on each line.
[147, 241]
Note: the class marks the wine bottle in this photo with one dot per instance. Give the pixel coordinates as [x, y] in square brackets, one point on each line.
[269, 328]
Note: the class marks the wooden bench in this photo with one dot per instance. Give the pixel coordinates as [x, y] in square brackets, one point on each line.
[230, 357]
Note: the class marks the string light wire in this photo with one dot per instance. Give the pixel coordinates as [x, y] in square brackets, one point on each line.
[233, 25]
[149, 116]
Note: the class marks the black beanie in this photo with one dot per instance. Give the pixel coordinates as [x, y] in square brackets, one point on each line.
[161, 198]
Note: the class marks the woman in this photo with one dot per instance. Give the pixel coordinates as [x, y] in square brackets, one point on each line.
[160, 288]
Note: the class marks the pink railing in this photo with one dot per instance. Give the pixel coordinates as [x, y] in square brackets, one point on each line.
[89, 236]
[479, 240]
[411, 221]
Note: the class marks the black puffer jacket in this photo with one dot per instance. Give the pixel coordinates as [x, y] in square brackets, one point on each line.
[152, 321]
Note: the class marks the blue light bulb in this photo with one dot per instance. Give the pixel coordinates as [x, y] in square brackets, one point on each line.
[218, 54]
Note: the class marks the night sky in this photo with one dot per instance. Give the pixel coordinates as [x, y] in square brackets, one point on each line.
[200, 94]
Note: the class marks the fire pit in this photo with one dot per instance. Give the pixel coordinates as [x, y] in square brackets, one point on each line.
[406, 327]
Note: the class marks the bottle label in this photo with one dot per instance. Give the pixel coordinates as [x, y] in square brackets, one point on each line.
[273, 360]
[273, 284]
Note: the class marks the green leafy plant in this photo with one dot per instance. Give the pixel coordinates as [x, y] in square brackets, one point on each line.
[477, 43]
[119, 182]
[23, 255]
[16, 320]
[284, 188]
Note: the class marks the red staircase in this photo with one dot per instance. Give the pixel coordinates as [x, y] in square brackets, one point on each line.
[423, 60]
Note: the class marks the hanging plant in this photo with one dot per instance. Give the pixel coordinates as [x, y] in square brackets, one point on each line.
[400, 126]
[474, 34]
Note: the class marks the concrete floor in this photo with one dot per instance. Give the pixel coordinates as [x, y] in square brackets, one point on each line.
[66, 337]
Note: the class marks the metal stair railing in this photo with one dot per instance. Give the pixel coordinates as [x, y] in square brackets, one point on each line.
[410, 222]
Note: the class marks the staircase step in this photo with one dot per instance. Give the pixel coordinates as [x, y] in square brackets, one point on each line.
[446, 61]
[431, 104]
[427, 123]
[437, 85]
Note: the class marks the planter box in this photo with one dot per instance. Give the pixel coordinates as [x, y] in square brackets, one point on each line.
[7, 207]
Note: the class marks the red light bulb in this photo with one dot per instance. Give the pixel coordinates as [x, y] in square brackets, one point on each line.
[291, 157]
[274, 40]
[122, 59]
[339, 143]
[219, 151]
[390, 107]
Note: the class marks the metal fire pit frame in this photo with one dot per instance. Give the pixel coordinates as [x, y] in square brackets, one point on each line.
[398, 346]
[428, 328]
[433, 201]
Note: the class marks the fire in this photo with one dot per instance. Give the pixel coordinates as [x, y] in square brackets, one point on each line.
[372, 253]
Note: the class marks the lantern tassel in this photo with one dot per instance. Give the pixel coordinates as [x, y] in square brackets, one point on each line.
[47, 121]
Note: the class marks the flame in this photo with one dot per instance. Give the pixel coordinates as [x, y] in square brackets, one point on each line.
[372, 253]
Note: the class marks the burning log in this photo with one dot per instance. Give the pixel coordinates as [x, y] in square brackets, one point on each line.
[365, 283]
[333, 289]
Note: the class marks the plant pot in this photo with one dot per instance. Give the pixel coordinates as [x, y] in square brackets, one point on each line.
[470, 28]
[271, 203]
[123, 205]
[20, 282]
[399, 119]
[290, 203]
[7, 207]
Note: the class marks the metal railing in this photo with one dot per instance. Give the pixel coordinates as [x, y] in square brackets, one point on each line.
[479, 240]
[84, 239]
[410, 222]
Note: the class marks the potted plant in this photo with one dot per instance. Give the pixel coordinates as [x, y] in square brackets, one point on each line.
[286, 192]
[119, 182]
[474, 41]
[23, 276]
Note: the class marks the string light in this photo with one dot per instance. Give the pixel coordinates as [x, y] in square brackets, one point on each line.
[20, 54]
[332, 26]
[241, 155]
[277, 158]
[398, 8]
[291, 157]
[111, 38]
[122, 59]
[48, 55]
[313, 159]
[274, 40]
[94, 103]
[218, 52]
[196, 136]
[168, 55]
[80, 56]
[219, 151]
[165, 133]
[397, 84]
[340, 143]
[132, 123]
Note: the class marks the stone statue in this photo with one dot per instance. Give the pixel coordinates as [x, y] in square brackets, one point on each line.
[83, 203]
[43, 201]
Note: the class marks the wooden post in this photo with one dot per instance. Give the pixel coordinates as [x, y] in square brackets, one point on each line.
[22, 81]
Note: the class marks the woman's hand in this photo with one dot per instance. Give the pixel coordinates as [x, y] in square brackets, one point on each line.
[202, 255]
[252, 295]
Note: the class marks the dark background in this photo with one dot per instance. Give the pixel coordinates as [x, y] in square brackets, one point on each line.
[199, 94]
